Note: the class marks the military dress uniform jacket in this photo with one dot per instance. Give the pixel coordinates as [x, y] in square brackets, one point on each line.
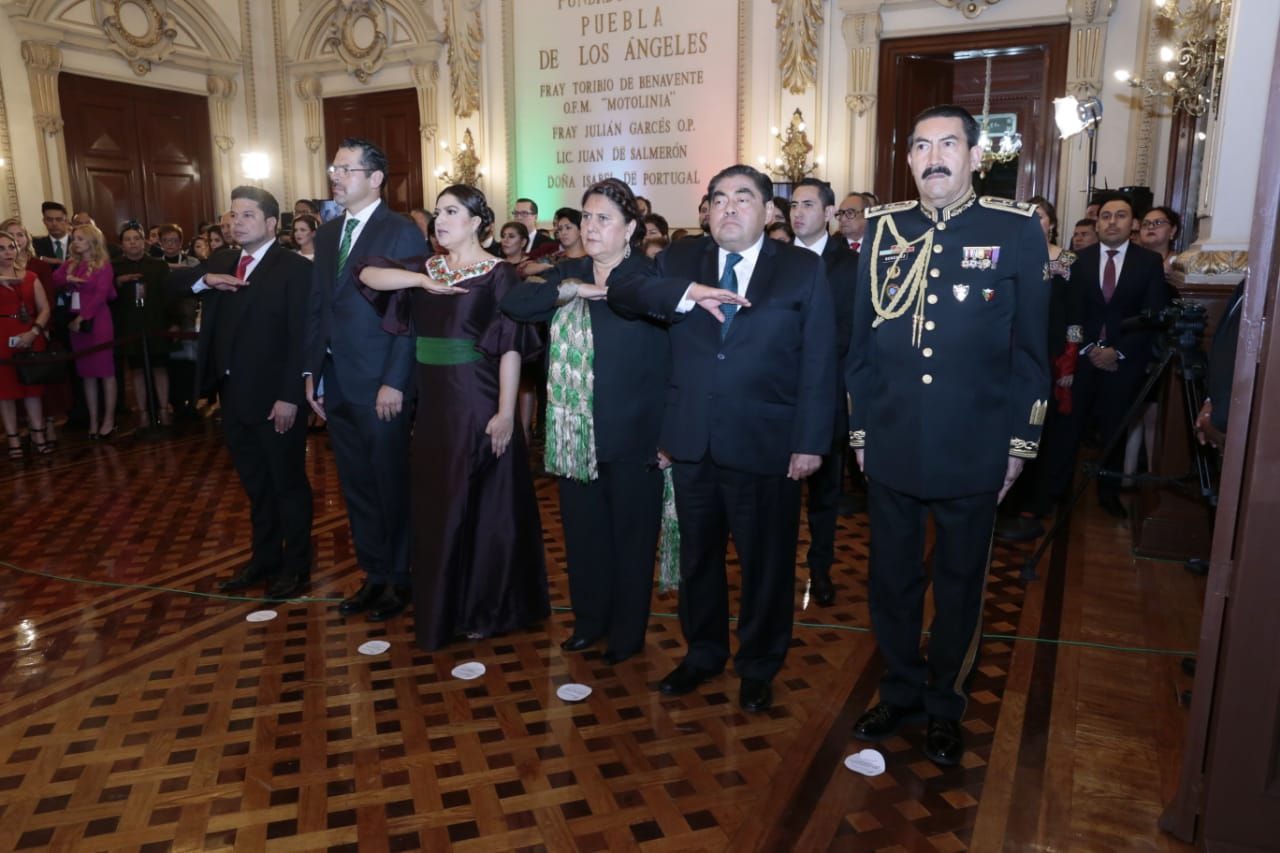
[946, 391]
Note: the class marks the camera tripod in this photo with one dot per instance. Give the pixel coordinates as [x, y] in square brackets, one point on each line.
[1180, 345]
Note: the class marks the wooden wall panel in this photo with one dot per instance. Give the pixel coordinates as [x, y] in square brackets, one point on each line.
[389, 120]
[137, 152]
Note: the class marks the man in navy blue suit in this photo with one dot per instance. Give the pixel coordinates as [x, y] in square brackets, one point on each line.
[748, 417]
[365, 373]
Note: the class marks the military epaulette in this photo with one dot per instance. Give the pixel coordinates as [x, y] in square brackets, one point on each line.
[994, 202]
[891, 207]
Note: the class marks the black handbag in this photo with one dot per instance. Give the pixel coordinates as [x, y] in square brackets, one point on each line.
[45, 367]
[86, 325]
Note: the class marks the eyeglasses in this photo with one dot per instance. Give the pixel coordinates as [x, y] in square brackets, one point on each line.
[523, 213]
[344, 171]
[848, 213]
[1155, 223]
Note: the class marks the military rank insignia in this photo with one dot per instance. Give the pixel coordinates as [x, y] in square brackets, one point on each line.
[987, 294]
[980, 257]
[961, 291]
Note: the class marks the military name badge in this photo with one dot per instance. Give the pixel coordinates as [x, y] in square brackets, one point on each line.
[980, 257]
[961, 291]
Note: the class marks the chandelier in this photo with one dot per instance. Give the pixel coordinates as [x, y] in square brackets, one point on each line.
[1193, 64]
[466, 165]
[793, 163]
[1010, 144]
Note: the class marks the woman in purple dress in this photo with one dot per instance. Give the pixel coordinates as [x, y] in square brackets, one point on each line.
[478, 563]
[88, 275]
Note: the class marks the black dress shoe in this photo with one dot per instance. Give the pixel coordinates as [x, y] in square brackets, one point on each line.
[1112, 506]
[685, 679]
[822, 590]
[244, 579]
[884, 720]
[755, 695]
[390, 605]
[944, 743]
[290, 586]
[362, 600]
[576, 643]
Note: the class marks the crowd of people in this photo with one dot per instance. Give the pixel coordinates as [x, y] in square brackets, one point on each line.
[688, 388]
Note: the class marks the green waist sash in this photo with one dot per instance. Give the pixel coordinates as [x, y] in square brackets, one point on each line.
[446, 351]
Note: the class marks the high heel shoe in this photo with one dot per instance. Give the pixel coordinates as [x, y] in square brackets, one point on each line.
[41, 447]
[107, 435]
[15, 446]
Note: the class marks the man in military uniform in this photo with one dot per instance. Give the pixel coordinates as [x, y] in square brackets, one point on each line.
[949, 379]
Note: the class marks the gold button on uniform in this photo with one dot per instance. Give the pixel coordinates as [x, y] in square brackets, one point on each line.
[929, 325]
[927, 352]
[933, 273]
[933, 299]
[926, 379]
[937, 250]
[942, 226]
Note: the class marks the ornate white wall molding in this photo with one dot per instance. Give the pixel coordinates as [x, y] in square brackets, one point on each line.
[971, 9]
[358, 36]
[1088, 41]
[425, 77]
[311, 92]
[799, 28]
[153, 43]
[44, 61]
[6, 150]
[411, 36]
[222, 91]
[464, 33]
[861, 30]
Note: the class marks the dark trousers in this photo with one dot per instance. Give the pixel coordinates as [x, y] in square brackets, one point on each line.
[611, 529]
[272, 469]
[372, 456]
[896, 587]
[763, 515]
[823, 504]
[1103, 398]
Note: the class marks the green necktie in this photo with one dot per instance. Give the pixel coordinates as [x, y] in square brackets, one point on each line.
[57, 249]
[729, 281]
[345, 248]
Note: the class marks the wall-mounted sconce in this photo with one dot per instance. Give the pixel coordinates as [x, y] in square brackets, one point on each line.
[1193, 66]
[792, 165]
[466, 165]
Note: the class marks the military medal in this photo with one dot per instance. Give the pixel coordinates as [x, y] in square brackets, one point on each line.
[980, 257]
[961, 291]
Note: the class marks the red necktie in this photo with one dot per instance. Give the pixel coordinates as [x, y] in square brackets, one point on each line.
[248, 259]
[1109, 276]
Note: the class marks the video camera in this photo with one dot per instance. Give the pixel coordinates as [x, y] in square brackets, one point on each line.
[1181, 322]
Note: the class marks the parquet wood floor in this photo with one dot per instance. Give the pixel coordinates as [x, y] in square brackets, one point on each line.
[140, 711]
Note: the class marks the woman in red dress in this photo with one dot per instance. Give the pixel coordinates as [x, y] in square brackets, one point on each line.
[88, 275]
[24, 313]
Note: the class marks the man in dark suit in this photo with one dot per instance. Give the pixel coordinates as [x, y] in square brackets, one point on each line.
[252, 332]
[526, 213]
[813, 205]
[748, 416]
[1117, 280]
[52, 248]
[948, 376]
[358, 376]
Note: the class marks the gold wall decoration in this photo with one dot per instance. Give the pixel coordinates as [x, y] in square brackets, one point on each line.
[969, 8]
[425, 76]
[221, 92]
[1089, 20]
[1220, 262]
[143, 49]
[362, 60]
[464, 33]
[799, 24]
[43, 62]
[862, 37]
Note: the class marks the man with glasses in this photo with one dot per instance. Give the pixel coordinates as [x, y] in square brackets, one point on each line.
[357, 376]
[526, 213]
[850, 221]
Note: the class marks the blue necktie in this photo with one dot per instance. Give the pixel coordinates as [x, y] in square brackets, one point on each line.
[729, 281]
